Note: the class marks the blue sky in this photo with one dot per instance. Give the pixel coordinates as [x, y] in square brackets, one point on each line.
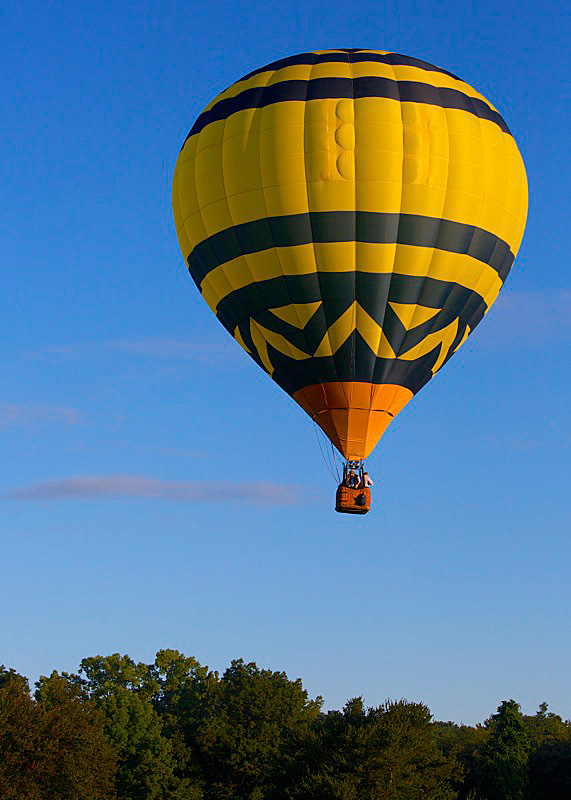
[157, 490]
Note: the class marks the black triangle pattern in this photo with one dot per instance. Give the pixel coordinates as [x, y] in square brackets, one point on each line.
[354, 360]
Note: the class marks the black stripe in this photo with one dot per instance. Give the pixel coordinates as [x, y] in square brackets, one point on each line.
[355, 361]
[349, 226]
[337, 290]
[368, 86]
[352, 56]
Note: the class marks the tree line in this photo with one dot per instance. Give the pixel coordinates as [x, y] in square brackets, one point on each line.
[174, 730]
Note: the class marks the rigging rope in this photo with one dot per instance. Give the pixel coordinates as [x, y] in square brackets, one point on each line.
[338, 469]
[330, 467]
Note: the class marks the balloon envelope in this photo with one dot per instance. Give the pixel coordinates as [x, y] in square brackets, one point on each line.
[350, 216]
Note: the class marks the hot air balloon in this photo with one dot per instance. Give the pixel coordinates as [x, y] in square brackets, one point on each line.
[350, 216]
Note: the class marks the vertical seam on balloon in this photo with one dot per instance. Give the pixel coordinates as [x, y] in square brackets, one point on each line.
[323, 305]
[435, 246]
[441, 219]
[386, 378]
[356, 206]
[245, 310]
[512, 180]
[257, 115]
[354, 334]
[335, 355]
[454, 288]
[523, 208]
[486, 295]
[504, 204]
[355, 312]
[277, 251]
[196, 187]
[483, 271]
[431, 258]
[345, 393]
[248, 316]
[318, 371]
[183, 222]
[196, 184]
[178, 202]
[482, 199]
[517, 182]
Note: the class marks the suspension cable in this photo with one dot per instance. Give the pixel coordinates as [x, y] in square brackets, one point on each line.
[338, 469]
[323, 452]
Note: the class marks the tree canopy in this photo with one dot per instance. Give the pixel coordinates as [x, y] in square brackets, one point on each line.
[175, 730]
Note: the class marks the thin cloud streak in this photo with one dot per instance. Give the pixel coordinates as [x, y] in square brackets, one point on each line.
[113, 487]
[173, 348]
[154, 347]
[522, 443]
[528, 318]
[14, 414]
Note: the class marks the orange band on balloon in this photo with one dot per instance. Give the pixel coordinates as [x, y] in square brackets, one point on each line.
[353, 414]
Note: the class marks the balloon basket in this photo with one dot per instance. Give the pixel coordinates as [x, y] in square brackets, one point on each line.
[353, 497]
[352, 501]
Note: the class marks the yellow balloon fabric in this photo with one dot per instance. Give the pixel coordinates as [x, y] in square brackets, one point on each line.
[350, 216]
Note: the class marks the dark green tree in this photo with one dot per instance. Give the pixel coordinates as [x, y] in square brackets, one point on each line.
[465, 743]
[53, 748]
[390, 752]
[550, 770]
[149, 762]
[502, 768]
[182, 692]
[146, 766]
[19, 739]
[174, 730]
[404, 762]
[545, 726]
[550, 758]
[78, 761]
[103, 675]
[331, 756]
[248, 740]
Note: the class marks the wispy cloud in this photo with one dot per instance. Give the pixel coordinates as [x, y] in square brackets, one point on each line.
[174, 348]
[176, 452]
[109, 487]
[223, 351]
[14, 414]
[530, 318]
[103, 445]
[522, 443]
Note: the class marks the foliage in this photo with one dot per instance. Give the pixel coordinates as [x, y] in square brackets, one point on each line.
[19, 739]
[502, 764]
[386, 752]
[249, 739]
[550, 759]
[130, 695]
[174, 730]
[465, 743]
[53, 747]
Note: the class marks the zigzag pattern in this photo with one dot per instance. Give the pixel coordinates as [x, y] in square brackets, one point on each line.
[409, 333]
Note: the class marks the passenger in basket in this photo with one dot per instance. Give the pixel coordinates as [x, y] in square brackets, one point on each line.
[352, 480]
[367, 482]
